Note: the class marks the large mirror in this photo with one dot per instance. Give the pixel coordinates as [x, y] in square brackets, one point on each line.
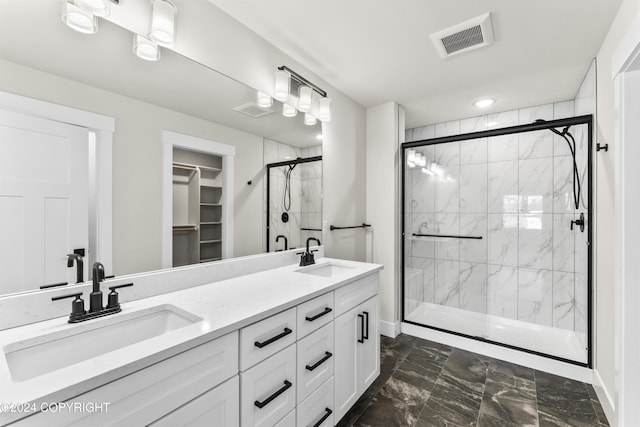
[42, 59]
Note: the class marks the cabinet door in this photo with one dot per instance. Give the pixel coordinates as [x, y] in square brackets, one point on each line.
[347, 333]
[369, 351]
[217, 407]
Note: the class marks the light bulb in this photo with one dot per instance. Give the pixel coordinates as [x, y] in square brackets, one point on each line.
[79, 19]
[309, 120]
[145, 48]
[263, 100]
[288, 110]
[163, 20]
[304, 99]
[282, 85]
[96, 7]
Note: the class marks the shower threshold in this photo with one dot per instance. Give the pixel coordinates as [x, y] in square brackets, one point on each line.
[555, 342]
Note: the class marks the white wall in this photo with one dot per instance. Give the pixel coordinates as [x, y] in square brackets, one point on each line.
[384, 125]
[137, 155]
[607, 276]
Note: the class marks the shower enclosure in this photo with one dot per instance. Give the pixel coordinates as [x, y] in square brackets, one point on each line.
[294, 202]
[497, 236]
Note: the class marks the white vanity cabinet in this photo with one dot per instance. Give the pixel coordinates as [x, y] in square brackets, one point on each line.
[357, 342]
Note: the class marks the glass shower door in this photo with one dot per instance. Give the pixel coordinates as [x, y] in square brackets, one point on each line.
[496, 237]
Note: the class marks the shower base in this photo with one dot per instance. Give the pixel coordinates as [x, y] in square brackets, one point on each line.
[542, 339]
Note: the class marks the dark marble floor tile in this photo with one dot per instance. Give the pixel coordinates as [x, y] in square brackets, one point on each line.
[468, 370]
[511, 400]
[398, 403]
[500, 370]
[447, 407]
[561, 400]
[602, 418]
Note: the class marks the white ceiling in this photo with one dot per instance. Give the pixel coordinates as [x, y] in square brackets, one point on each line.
[376, 51]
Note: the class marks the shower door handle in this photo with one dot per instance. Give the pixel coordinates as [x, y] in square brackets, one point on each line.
[579, 222]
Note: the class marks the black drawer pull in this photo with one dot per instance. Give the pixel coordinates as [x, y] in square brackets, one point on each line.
[327, 413]
[326, 357]
[361, 339]
[319, 315]
[269, 399]
[365, 335]
[286, 332]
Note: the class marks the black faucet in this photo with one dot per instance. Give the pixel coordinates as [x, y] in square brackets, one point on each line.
[286, 242]
[79, 266]
[95, 298]
[307, 257]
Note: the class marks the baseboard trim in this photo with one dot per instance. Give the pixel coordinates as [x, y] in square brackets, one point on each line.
[389, 329]
[605, 399]
[540, 363]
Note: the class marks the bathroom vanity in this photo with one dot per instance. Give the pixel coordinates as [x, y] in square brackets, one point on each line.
[287, 346]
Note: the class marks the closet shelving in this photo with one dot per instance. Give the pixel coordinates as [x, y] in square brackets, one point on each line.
[197, 213]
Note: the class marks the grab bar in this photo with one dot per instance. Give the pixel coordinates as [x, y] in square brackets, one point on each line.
[333, 227]
[447, 236]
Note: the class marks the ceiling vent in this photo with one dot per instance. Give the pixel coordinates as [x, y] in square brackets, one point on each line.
[469, 35]
[252, 109]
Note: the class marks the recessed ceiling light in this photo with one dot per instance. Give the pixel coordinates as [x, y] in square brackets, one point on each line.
[484, 103]
[491, 124]
[319, 137]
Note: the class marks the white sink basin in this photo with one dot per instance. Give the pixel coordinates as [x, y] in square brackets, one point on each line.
[46, 353]
[326, 270]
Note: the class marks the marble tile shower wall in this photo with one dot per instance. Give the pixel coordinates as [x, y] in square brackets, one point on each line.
[305, 207]
[516, 191]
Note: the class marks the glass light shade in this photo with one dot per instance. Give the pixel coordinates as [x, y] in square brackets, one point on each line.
[324, 109]
[145, 48]
[97, 7]
[79, 19]
[282, 85]
[263, 100]
[411, 156]
[163, 22]
[288, 110]
[304, 98]
[309, 120]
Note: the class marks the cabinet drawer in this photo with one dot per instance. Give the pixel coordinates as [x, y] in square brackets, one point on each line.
[143, 396]
[314, 314]
[317, 409]
[268, 390]
[288, 421]
[355, 293]
[217, 407]
[315, 361]
[267, 337]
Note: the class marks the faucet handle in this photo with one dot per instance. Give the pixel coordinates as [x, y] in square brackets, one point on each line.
[77, 305]
[113, 295]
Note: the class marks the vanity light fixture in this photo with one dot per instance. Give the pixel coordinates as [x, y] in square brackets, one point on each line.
[145, 48]
[163, 22]
[288, 110]
[96, 7]
[309, 120]
[282, 85]
[304, 98]
[79, 19]
[484, 103]
[263, 100]
[284, 76]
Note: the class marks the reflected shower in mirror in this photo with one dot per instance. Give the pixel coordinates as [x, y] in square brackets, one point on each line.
[294, 195]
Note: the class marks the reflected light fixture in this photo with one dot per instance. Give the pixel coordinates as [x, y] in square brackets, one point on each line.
[484, 103]
[263, 100]
[319, 137]
[79, 19]
[309, 120]
[282, 85]
[96, 7]
[324, 109]
[145, 48]
[288, 110]
[163, 22]
[304, 98]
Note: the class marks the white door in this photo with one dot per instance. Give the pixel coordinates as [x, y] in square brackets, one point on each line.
[44, 199]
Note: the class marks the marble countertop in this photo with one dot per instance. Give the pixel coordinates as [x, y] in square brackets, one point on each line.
[224, 306]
